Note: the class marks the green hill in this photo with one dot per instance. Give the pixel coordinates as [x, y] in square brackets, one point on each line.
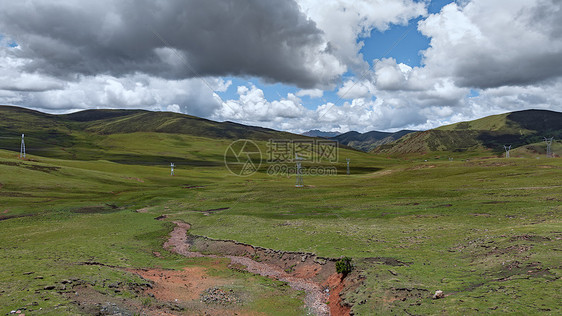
[114, 135]
[482, 136]
[370, 140]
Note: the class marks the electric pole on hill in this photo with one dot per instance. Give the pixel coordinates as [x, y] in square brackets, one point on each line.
[22, 147]
[548, 142]
[300, 182]
[172, 169]
[507, 149]
[347, 159]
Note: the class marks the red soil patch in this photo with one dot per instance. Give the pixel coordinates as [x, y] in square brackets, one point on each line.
[305, 272]
[336, 286]
[273, 264]
[179, 286]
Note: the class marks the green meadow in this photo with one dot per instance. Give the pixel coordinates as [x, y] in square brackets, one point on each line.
[487, 232]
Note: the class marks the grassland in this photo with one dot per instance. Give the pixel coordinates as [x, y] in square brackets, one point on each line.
[487, 232]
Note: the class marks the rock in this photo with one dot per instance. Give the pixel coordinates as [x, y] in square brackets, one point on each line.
[320, 261]
[49, 287]
[438, 295]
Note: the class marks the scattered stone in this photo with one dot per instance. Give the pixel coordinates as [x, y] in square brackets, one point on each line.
[49, 287]
[438, 295]
[217, 295]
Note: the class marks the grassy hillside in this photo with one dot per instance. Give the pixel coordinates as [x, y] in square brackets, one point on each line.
[92, 134]
[485, 136]
[370, 140]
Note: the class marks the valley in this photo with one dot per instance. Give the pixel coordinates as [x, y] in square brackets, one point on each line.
[87, 219]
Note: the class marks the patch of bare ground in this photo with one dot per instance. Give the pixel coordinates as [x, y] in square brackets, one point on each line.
[135, 179]
[165, 292]
[181, 286]
[92, 302]
[403, 294]
[336, 284]
[381, 173]
[422, 167]
[314, 275]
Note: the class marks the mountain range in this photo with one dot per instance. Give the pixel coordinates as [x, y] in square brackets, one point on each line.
[92, 134]
[488, 134]
[370, 140]
[360, 141]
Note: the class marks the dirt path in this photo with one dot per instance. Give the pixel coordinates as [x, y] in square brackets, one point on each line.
[315, 298]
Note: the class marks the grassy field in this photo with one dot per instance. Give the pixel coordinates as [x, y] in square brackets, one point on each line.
[487, 232]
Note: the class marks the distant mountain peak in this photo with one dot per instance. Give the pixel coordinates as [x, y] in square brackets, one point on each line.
[319, 133]
[369, 140]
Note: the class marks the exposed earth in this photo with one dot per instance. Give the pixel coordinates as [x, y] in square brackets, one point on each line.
[194, 291]
[314, 275]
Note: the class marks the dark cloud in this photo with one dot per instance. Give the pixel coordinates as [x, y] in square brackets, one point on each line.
[495, 71]
[273, 40]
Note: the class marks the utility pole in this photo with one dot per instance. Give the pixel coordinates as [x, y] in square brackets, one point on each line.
[300, 182]
[548, 142]
[507, 149]
[172, 169]
[22, 147]
[347, 159]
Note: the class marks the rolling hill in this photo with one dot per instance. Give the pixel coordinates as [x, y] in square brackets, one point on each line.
[370, 140]
[114, 134]
[486, 135]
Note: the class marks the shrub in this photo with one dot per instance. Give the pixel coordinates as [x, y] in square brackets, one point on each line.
[344, 266]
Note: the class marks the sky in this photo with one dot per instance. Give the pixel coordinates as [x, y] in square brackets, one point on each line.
[292, 65]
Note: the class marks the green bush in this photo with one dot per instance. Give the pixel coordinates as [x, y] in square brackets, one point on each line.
[344, 266]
